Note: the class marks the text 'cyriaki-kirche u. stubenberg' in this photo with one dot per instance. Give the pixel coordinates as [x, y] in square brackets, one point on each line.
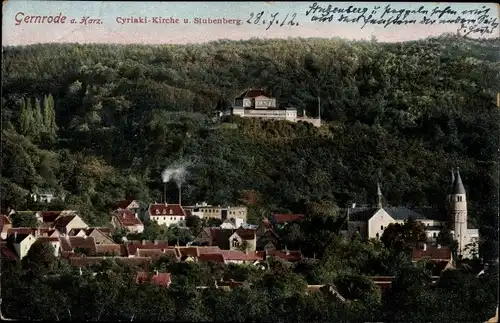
[372, 221]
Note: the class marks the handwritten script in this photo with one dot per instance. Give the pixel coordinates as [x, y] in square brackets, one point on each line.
[473, 21]
[272, 19]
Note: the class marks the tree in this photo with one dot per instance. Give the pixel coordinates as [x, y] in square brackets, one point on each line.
[404, 236]
[39, 125]
[195, 224]
[26, 117]
[49, 118]
[24, 220]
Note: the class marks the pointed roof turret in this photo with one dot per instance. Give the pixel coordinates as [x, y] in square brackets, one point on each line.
[458, 186]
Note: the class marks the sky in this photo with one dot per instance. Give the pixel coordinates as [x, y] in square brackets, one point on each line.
[15, 31]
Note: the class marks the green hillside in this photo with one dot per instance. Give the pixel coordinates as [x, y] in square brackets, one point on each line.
[401, 113]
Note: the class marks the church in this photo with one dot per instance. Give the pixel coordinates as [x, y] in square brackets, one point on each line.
[370, 222]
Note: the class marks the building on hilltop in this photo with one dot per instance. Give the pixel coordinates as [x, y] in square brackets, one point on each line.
[370, 222]
[257, 103]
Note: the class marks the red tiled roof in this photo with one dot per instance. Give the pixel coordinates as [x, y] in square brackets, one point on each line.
[240, 255]
[283, 218]
[63, 221]
[187, 251]
[69, 243]
[216, 257]
[133, 245]
[49, 216]
[109, 249]
[47, 239]
[32, 231]
[433, 253]
[166, 209]
[163, 279]
[127, 218]
[210, 249]
[7, 251]
[123, 204]
[152, 253]
[246, 234]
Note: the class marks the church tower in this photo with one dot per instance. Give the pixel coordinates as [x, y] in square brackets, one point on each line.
[458, 211]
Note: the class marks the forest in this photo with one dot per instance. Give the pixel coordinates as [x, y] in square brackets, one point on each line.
[99, 123]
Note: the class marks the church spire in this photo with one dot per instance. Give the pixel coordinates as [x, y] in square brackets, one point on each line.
[458, 186]
[379, 196]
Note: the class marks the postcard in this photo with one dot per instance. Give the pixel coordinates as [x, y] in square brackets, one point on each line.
[250, 161]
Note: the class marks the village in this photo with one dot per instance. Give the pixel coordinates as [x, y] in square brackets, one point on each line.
[226, 239]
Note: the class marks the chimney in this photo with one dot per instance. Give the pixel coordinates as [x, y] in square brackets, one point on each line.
[15, 235]
[143, 242]
[165, 193]
[180, 195]
[425, 247]
[136, 215]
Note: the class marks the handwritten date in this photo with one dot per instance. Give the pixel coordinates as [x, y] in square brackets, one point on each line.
[272, 19]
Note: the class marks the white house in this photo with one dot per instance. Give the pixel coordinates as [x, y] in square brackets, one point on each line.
[22, 243]
[167, 214]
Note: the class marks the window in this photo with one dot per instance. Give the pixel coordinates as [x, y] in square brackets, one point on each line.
[381, 228]
[157, 211]
[434, 235]
[235, 243]
[359, 229]
[171, 211]
[377, 235]
[460, 199]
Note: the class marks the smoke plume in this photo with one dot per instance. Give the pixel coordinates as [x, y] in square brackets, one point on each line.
[178, 173]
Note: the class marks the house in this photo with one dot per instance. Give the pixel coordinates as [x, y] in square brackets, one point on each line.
[189, 254]
[438, 258]
[243, 238]
[131, 205]
[110, 250]
[257, 103]
[167, 214]
[231, 256]
[47, 218]
[267, 238]
[44, 197]
[5, 226]
[54, 242]
[78, 245]
[33, 231]
[371, 222]
[204, 210]
[214, 237]
[64, 223]
[21, 243]
[125, 219]
[133, 246]
[161, 279]
[101, 235]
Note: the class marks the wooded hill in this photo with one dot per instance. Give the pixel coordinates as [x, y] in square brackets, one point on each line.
[400, 113]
